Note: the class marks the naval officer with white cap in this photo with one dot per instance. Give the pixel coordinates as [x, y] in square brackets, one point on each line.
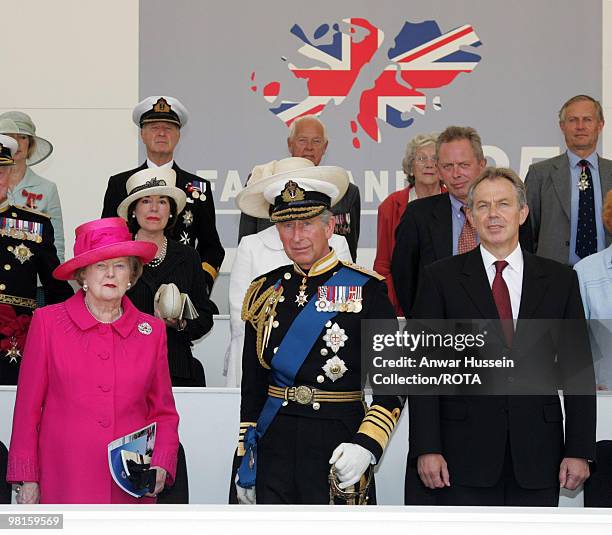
[160, 119]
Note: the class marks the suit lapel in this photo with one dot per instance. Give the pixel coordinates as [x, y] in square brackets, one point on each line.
[476, 284]
[561, 180]
[441, 227]
[534, 286]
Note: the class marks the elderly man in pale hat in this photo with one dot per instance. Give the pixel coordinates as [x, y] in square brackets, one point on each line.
[302, 406]
[160, 119]
[256, 255]
[308, 139]
[27, 188]
[27, 251]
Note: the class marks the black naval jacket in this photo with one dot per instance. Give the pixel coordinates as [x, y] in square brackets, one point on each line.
[373, 426]
[182, 267]
[196, 225]
[27, 251]
[347, 212]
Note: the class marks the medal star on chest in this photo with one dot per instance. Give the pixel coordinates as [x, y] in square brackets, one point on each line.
[13, 354]
[187, 217]
[335, 337]
[184, 238]
[301, 298]
[22, 253]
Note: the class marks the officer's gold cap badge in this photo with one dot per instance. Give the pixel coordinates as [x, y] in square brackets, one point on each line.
[161, 106]
[292, 192]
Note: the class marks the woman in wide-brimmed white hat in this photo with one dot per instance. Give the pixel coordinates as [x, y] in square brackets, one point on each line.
[151, 209]
[26, 188]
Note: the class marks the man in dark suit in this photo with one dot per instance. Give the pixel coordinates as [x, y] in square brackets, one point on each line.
[160, 120]
[565, 193]
[308, 139]
[435, 227]
[507, 449]
[430, 227]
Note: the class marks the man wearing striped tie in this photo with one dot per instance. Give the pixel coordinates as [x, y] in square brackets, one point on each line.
[436, 227]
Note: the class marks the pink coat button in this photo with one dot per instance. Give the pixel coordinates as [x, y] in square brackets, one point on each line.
[104, 422]
[105, 388]
[104, 355]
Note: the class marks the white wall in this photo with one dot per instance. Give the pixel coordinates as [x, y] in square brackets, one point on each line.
[73, 66]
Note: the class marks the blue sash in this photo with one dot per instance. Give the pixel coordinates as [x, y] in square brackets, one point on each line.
[292, 352]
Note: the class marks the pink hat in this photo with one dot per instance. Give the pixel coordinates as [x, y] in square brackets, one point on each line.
[100, 240]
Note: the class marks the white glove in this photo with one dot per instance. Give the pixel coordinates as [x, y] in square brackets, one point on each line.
[350, 461]
[245, 496]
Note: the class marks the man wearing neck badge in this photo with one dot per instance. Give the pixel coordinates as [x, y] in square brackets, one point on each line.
[27, 250]
[302, 409]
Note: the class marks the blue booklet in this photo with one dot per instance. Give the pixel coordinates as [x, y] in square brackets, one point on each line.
[137, 447]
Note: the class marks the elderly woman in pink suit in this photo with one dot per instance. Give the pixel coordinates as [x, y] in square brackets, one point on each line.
[94, 369]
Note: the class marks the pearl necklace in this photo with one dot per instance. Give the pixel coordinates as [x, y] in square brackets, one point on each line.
[96, 317]
[162, 255]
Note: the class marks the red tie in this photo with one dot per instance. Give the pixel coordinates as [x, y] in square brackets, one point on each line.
[468, 237]
[501, 295]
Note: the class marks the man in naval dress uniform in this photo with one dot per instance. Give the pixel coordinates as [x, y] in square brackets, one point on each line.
[27, 250]
[160, 119]
[302, 406]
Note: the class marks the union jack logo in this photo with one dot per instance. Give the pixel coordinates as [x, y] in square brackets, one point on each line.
[421, 58]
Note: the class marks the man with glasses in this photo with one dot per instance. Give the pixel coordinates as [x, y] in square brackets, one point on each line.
[308, 139]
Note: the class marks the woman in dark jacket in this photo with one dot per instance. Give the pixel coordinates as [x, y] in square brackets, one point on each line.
[151, 209]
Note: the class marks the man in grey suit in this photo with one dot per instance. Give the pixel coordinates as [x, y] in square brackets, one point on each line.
[565, 193]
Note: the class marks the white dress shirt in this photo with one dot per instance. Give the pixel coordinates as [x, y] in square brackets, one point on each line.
[152, 165]
[512, 275]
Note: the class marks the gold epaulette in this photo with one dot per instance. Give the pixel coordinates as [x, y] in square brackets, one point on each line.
[259, 311]
[31, 210]
[361, 269]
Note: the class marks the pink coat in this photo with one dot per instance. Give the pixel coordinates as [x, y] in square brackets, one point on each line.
[83, 384]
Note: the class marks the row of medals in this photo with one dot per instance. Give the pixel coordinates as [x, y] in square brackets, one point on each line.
[325, 305]
[21, 234]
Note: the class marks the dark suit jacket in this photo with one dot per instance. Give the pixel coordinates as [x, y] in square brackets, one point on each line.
[471, 431]
[349, 205]
[424, 235]
[182, 267]
[549, 198]
[200, 233]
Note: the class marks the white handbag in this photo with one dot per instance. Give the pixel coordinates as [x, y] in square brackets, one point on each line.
[172, 304]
